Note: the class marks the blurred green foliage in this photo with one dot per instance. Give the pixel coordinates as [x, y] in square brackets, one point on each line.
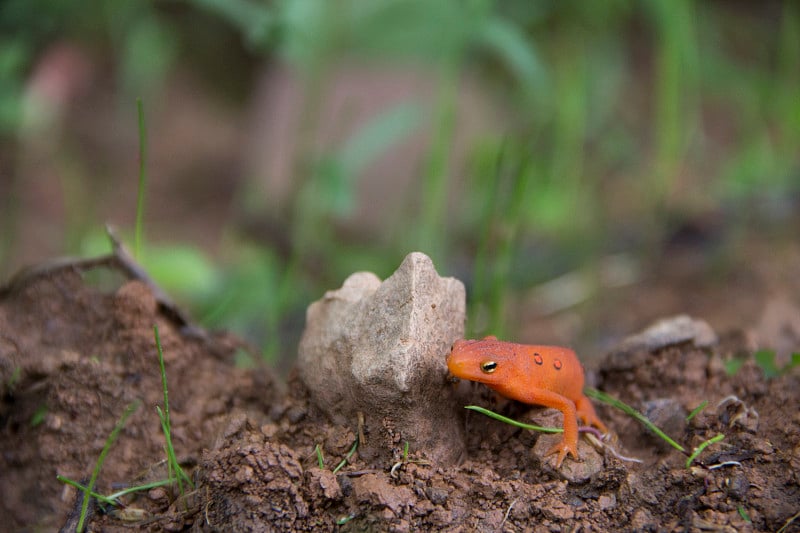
[615, 113]
[141, 41]
[766, 361]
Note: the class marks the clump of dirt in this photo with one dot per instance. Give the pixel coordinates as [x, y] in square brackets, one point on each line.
[73, 357]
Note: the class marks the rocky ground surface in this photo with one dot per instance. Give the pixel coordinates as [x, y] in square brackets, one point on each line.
[369, 433]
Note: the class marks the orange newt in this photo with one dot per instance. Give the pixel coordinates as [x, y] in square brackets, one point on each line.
[542, 375]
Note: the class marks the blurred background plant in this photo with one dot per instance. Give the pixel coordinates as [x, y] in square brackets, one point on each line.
[541, 151]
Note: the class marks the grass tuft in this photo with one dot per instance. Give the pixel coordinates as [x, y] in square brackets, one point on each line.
[179, 477]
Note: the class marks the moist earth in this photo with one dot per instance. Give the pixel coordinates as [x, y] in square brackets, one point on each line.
[74, 357]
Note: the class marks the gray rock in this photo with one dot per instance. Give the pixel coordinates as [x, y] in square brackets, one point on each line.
[591, 462]
[380, 349]
[580, 471]
[668, 415]
[670, 331]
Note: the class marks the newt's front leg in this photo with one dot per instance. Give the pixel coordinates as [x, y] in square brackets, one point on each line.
[569, 442]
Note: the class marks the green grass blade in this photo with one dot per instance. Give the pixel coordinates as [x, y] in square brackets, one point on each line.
[488, 164]
[346, 457]
[743, 514]
[142, 180]
[703, 445]
[111, 499]
[168, 448]
[605, 398]
[138, 488]
[83, 488]
[163, 375]
[320, 458]
[697, 410]
[506, 420]
[172, 460]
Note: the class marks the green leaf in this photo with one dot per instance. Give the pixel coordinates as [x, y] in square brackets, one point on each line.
[732, 366]
[38, 416]
[765, 359]
[180, 268]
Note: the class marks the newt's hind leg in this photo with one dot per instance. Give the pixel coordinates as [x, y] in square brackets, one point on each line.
[587, 414]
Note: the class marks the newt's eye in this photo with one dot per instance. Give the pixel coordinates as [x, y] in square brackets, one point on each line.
[488, 367]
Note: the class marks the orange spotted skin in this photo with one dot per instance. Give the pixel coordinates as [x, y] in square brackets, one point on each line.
[540, 375]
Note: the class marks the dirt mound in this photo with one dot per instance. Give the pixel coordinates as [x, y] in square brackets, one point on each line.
[73, 357]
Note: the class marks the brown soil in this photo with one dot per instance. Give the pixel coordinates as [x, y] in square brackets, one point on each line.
[73, 356]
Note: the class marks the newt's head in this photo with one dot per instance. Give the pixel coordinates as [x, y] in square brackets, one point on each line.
[486, 361]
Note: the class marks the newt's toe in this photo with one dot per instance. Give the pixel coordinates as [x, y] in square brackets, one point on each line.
[562, 448]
